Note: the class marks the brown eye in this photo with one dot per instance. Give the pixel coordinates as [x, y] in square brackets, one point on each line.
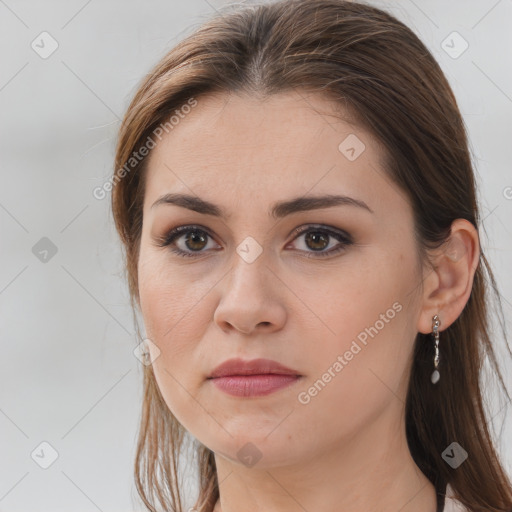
[196, 240]
[318, 239]
[186, 240]
[192, 241]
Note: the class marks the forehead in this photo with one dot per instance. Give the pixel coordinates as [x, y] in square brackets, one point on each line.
[245, 148]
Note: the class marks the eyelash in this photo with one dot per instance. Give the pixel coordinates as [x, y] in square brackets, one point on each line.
[344, 238]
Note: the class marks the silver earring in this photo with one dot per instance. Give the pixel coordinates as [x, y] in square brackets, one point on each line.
[435, 333]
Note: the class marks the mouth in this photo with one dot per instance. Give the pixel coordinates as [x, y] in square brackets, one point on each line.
[257, 377]
[254, 385]
[240, 367]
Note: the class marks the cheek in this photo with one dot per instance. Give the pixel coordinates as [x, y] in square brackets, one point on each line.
[368, 374]
[167, 305]
[369, 314]
[172, 315]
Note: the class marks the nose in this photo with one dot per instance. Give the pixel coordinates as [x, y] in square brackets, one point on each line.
[250, 299]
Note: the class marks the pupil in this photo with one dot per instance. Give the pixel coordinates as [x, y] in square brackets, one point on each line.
[315, 237]
[195, 239]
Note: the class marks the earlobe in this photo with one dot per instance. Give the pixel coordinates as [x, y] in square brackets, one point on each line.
[448, 288]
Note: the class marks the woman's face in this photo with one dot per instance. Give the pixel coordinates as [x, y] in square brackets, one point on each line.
[338, 302]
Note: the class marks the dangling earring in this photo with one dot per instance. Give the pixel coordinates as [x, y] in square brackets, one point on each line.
[435, 332]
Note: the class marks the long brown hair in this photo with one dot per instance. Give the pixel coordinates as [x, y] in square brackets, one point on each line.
[369, 62]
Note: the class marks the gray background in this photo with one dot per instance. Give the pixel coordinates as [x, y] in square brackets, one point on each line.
[68, 373]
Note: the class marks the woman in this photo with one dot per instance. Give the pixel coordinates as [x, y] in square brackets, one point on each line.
[295, 196]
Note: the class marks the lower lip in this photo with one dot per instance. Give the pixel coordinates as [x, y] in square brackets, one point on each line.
[254, 385]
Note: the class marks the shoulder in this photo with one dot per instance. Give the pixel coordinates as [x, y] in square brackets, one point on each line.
[451, 504]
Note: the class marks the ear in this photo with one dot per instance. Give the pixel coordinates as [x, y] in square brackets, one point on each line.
[448, 285]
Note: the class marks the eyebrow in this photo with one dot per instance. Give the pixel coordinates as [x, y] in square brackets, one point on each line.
[279, 210]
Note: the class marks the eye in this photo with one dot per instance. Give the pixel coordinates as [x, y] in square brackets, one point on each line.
[320, 238]
[195, 239]
[189, 241]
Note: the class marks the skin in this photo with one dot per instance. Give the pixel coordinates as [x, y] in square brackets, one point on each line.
[346, 448]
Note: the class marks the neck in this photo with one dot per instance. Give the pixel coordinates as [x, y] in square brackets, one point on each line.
[371, 470]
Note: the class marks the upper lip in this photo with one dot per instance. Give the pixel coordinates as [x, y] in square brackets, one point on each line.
[253, 367]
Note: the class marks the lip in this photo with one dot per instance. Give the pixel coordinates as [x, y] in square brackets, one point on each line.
[239, 367]
[258, 377]
[253, 385]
